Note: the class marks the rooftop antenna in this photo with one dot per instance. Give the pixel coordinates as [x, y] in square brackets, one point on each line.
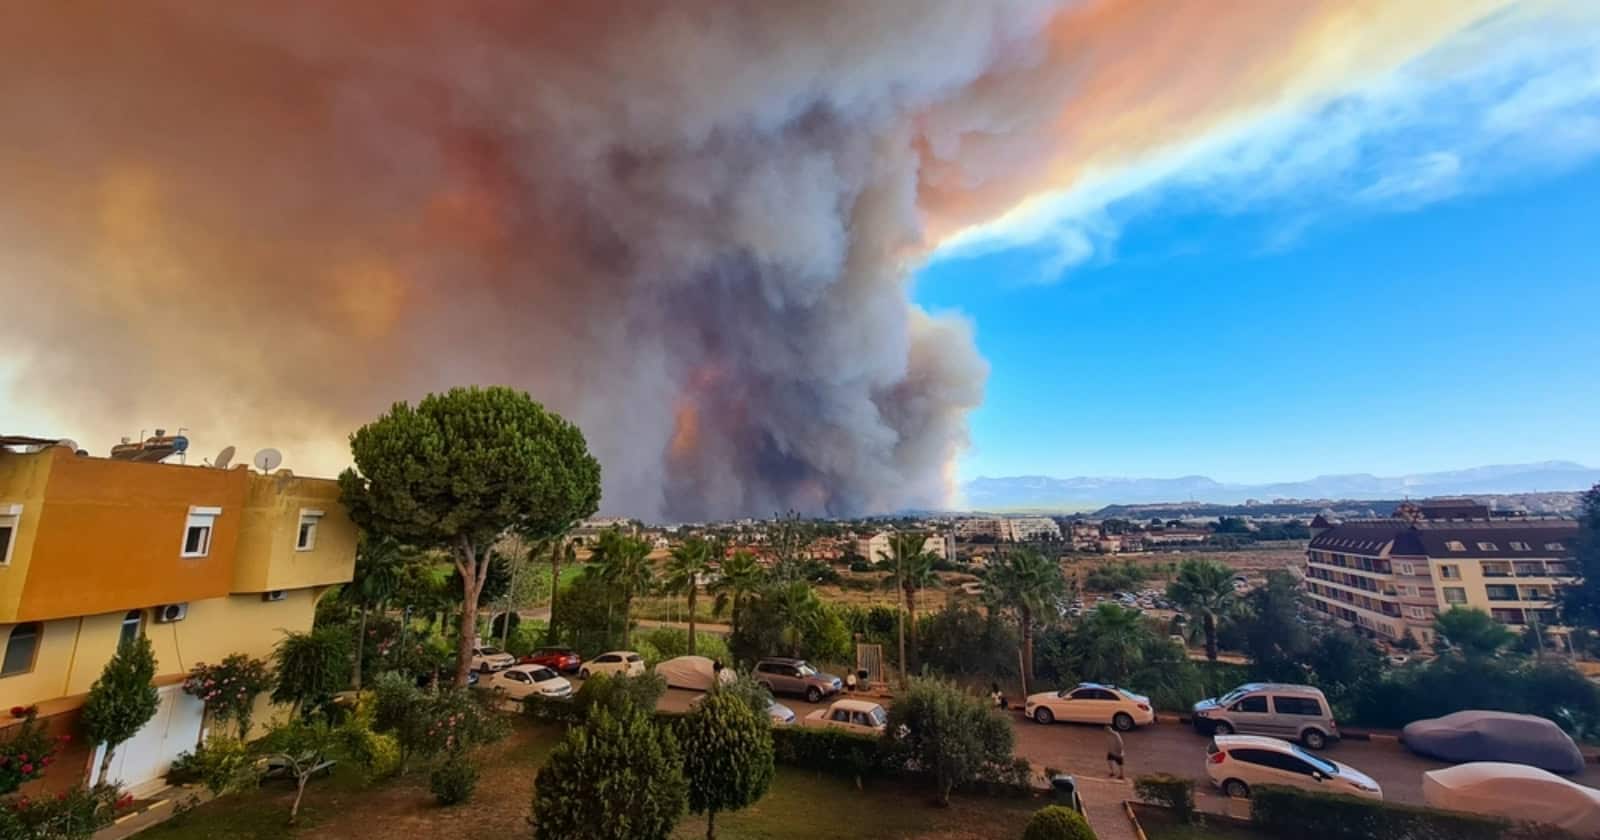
[267, 459]
[224, 458]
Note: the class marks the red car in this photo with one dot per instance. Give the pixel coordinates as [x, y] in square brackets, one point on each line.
[565, 660]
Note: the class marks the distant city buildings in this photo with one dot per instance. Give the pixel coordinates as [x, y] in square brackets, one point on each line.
[877, 546]
[1394, 576]
[1008, 529]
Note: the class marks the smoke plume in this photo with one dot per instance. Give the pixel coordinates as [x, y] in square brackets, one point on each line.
[687, 226]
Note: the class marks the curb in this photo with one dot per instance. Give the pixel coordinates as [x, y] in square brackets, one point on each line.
[1138, 830]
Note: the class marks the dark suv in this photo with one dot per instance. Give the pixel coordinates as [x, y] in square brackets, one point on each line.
[793, 676]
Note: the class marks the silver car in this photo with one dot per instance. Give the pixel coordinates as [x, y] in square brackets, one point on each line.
[781, 675]
[1293, 712]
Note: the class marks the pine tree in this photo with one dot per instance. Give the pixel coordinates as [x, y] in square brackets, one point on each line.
[123, 700]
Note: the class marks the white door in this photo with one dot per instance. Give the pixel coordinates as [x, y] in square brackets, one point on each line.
[140, 763]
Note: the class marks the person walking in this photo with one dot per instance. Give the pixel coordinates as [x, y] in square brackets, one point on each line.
[1114, 753]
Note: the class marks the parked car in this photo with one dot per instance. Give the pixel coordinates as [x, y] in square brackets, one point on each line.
[1092, 703]
[564, 660]
[1515, 792]
[425, 679]
[487, 658]
[777, 713]
[1477, 735]
[520, 681]
[1296, 712]
[782, 675]
[624, 662]
[696, 673]
[1236, 763]
[860, 716]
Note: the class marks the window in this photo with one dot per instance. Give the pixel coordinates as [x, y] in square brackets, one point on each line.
[1251, 756]
[1257, 703]
[10, 515]
[1554, 546]
[1283, 761]
[1455, 545]
[1520, 546]
[609, 658]
[306, 538]
[860, 719]
[1417, 612]
[21, 647]
[841, 715]
[1455, 595]
[1297, 706]
[1501, 593]
[197, 532]
[516, 676]
[1488, 546]
[1449, 573]
[130, 627]
[1407, 569]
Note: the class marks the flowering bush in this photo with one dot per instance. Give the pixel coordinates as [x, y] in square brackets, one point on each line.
[229, 688]
[27, 752]
[70, 815]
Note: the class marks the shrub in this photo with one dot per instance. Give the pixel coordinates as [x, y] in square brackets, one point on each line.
[453, 781]
[526, 638]
[450, 722]
[860, 566]
[1057, 823]
[394, 695]
[229, 688]
[75, 814]
[1172, 792]
[1287, 812]
[727, 755]
[222, 764]
[617, 778]
[26, 753]
[667, 642]
[122, 701]
[949, 734]
[753, 694]
[311, 667]
[832, 751]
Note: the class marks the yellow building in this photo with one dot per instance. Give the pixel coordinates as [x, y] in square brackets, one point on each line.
[204, 562]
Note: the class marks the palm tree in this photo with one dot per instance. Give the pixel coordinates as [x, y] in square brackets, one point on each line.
[913, 570]
[376, 577]
[690, 561]
[1114, 639]
[1204, 587]
[625, 564]
[561, 550]
[740, 580]
[797, 611]
[1028, 584]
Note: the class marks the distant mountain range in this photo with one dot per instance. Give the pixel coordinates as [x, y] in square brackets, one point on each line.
[1039, 492]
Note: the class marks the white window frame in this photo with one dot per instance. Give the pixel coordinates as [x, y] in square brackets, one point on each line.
[199, 517]
[1455, 545]
[1488, 546]
[1517, 545]
[1407, 569]
[1444, 593]
[10, 515]
[308, 516]
[1418, 612]
[1554, 546]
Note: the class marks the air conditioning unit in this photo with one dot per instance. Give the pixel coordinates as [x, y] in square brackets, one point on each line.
[171, 613]
[274, 595]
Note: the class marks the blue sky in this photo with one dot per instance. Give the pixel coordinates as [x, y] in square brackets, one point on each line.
[1404, 278]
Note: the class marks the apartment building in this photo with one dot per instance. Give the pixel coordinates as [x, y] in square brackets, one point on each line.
[204, 562]
[1032, 529]
[1394, 576]
[877, 546]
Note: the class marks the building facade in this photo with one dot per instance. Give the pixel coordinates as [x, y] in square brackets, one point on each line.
[877, 546]
[204, 562]
[1032, 529]
[1394, 576]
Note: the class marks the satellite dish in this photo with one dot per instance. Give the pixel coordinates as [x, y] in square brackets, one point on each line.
[68, 443]
[224, 458]
[268, 460]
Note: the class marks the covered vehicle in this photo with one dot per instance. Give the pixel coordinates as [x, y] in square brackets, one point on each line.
[696, 673]
[1516, 792]
[1477, 735]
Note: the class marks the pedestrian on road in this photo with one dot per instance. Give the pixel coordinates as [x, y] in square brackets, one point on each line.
[1114, 753]
[998, 698]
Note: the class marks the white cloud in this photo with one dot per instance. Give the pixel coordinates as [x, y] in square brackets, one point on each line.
[1514, 96]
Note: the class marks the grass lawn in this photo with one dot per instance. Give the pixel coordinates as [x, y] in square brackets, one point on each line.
[1158, 824]
[799, 805]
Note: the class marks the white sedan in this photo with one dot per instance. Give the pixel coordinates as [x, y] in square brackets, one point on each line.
[1237, 763]
[1092, 703]
[862, 717]
[1516, 792]
[521, 681]
[624, 662]
[487, 658]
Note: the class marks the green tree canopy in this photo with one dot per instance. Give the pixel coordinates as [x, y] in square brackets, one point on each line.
[1273, 638]
[740, 580]
[1204, 587]
[311, 667]
[727, 756]
[615, 778]
[1474, 633]
[1580, 602]
[690, 561]
[1027, 584]
[949, 733]
[623, 562]
[123, 700]
[461, 469]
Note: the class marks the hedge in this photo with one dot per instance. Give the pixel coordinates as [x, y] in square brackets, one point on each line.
[1288, 812]
[1174, 792]
[829, 750]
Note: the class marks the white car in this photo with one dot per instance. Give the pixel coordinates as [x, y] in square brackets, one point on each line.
[1237, 763]
[1515, 792]
[624, 662]
[520, 681]
[1092, 703]
[862, 717]
[487, 658]
[696, 673]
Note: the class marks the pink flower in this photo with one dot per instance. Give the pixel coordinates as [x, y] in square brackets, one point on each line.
[27, 769]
